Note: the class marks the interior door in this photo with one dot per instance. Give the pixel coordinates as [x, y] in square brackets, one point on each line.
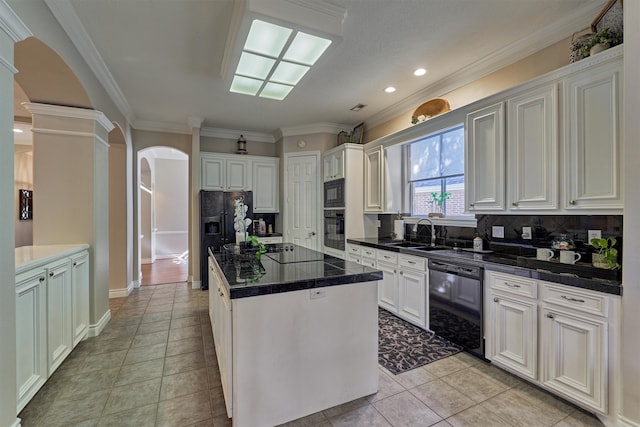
[302, 224]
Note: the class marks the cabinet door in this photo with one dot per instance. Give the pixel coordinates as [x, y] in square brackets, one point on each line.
[532, 132]
[59, 309]
[80, 296]
[412, 301]
[31, 338]
[213, 174]
[485, 160]
[575, 357]
[338, 164]
[514, 335]
[238, 176]
[388, 287]
[374, 179]
[265, 175]
[593, 139]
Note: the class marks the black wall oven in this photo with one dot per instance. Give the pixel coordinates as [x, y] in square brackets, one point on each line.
[334, 236]
[334, 194]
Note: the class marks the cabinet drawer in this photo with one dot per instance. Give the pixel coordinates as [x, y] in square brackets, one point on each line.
[368, 252]
[354, 258]
[369, 262]
[576, 299]
[387, 256]
[353, 249]
[413, 262]
[513, 285]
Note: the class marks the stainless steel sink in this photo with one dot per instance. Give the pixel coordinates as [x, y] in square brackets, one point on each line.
[430, 248]
[405, 244]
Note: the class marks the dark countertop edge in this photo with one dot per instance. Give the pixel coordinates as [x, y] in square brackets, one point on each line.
[604, 286]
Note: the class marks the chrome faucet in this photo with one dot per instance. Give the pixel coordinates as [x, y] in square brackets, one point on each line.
[433, 229]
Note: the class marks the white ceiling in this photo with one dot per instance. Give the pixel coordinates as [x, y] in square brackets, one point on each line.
[161, 60]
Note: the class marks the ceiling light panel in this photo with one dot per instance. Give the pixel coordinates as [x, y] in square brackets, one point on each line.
[267, 39]
[275, 91]
[257, 66]
[289, 73]
[245, 85]
[306, 49]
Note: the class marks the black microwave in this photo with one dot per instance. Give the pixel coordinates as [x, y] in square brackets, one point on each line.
[334, 194]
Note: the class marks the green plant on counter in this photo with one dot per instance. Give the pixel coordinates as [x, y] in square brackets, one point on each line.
[440, 198]
[255, 242]
[605, 248]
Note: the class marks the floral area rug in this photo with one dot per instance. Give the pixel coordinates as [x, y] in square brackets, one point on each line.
[403, 346]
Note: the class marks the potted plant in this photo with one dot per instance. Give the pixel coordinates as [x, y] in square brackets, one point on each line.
[606, 255]
[438, 200]
[599, 41]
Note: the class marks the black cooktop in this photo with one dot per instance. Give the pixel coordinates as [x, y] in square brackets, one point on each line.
[288, 253]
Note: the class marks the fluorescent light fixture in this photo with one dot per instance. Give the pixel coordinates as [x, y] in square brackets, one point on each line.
[390, 89]
[267, 39]
[245, 85]
[257, 66]
[289, 73]
[420, 72]
[275, 91]
[274, 59]
[306, 49]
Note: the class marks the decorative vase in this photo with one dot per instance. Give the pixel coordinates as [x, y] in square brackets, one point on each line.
[241, 237]
[598, 48]
[600, 261]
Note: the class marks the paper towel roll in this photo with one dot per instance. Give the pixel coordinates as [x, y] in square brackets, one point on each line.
[398, 229]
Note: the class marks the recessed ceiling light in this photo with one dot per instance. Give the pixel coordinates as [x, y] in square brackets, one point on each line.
[390, 89]
[16, 130]
[420, 72]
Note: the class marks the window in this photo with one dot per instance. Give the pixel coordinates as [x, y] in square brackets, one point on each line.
[436, 165]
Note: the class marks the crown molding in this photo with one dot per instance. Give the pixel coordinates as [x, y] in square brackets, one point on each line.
[66, 16]
[70, 112]
[195, 122]
[333, 128]
[501, 58]
[11, 23]
[234, 134]
[168, 127]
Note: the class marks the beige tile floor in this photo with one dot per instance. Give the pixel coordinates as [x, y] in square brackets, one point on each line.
[155, 365]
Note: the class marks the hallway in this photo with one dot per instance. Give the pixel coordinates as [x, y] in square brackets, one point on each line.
[161, 271]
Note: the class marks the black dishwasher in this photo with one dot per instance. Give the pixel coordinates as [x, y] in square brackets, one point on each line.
[455, 304]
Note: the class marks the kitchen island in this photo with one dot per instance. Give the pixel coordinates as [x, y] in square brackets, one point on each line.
[295, 332]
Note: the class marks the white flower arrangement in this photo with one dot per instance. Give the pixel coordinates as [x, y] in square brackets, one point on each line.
[240, 221]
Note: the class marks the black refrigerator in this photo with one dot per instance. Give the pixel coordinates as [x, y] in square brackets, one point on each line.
[216, 223]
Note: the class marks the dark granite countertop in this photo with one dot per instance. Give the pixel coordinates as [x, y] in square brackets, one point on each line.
[291, 270]
[580, 276]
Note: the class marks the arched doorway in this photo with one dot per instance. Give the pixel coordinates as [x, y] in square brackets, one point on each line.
[163, 220]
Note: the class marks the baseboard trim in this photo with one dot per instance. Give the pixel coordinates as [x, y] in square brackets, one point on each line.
[16, 423]
[626, 422]
[135, 284]
[95, 330]
[146, 261]
[195, 284]
[122, 292]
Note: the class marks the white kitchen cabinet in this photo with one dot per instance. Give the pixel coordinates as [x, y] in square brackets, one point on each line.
[266, 185]
[388, 286]
[80, 296]
[532, 135]
[59, 309]
[213, 173]
[333, 166]
[31, 334]
[574, 344]
[270, 240]
[374, 180]
[412, 285]
[485, 159]
[238, 174]
[593, 137]
[235, 172]
[513, 323]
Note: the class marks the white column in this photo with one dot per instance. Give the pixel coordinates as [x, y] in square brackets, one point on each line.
[71, 190]
[194, 203]
[12, 30]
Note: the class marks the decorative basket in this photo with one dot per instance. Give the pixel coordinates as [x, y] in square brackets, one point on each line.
[430, 109]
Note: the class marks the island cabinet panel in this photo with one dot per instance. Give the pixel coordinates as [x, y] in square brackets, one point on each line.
[59, 309]
[311, 350]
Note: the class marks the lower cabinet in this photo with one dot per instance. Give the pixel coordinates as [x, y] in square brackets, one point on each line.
[388, 286]
[52, 317]
[412, 284]
[553, 335]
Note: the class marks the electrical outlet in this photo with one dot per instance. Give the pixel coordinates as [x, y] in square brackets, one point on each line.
[497, 231]
[526, 233]
[594, 234]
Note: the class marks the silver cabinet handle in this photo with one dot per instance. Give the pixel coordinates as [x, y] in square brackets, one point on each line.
[41, 279]
[572, 202]
[550, 315]
[411, 262]
[51, 274]
[75, 264]
[511, 285]
[386, 256]
[514, 204]
[572, 299]
[496, 299]
[472, 204]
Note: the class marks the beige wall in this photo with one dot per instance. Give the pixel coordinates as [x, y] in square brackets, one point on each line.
[118, 217]
[230, 146]
[544, 61]
[23, 179]
[313, 142]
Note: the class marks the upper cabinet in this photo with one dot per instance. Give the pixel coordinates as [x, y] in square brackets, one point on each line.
[230, 172]
[383, 186]
[265, 188]
[333, 165]
[593, 134]
[532, 167]
[485, 159]
[373, 179]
